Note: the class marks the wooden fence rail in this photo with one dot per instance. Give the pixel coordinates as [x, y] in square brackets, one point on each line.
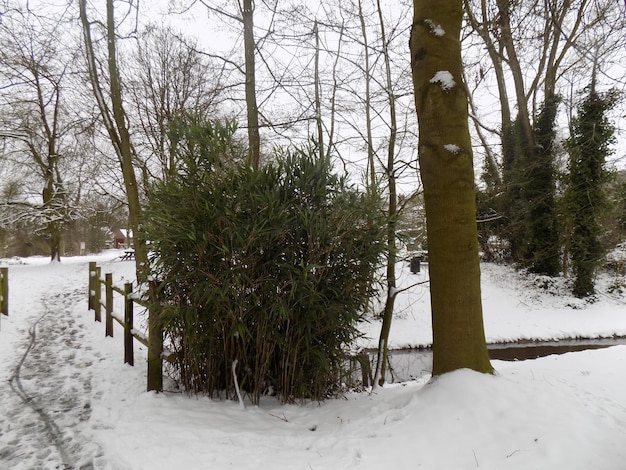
[4, 291]
[95, 303]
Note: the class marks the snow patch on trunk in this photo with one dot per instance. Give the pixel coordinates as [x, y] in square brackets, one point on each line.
[452, 148]
[435, 28]
[444, 79]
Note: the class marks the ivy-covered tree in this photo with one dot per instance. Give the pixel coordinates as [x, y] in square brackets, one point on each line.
[543, 250]
[513, 199]
[588, 147]
[529, 205]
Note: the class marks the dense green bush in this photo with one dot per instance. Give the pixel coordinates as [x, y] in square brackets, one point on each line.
[271, 268]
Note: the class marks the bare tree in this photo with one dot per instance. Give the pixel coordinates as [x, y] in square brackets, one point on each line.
[542, 46]
[114, 118]
[367, 98]
[244, 16]
[35, 117]
[168, 78]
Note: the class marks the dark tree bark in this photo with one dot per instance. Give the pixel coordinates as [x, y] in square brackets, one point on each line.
[254, 139]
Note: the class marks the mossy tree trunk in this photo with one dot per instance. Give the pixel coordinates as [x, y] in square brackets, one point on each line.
[446, 167]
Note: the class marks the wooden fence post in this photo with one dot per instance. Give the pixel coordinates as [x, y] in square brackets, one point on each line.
[91, 284]
[97, 296]
[129, 354]
[155, 331]
[155, 344]
[4, 291]
[108, 305]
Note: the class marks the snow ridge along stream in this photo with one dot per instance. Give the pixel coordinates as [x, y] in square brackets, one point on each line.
[47, 393]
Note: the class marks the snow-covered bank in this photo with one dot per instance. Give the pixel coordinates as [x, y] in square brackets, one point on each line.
[515, 308]
[564, 411]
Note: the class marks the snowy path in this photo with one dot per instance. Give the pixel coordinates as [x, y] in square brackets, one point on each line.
[45, 393]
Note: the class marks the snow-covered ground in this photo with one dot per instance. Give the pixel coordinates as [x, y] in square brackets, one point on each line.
[67, 401]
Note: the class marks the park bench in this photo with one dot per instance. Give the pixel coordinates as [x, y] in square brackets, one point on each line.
[128, 255]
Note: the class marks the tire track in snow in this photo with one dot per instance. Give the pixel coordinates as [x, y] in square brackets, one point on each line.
[51, 428]
[49, 390]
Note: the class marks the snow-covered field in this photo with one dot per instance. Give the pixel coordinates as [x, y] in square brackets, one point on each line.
[67, 401]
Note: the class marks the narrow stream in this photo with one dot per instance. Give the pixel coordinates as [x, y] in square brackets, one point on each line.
[532, 350]
[409, 364]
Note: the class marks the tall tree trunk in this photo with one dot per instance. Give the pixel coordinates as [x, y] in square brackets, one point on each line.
[333, 97]
[371, 172]
[318, 104]
[446, 167]
[518, 79]
[114, 119]
[254, 139]
[495, 55]
[125, 149]
[50, 199]
[518, 144]
[53, 198]
[589, 147]
[393, 207]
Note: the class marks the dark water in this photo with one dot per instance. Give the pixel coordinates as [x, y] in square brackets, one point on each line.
[408, 364]
[532, 350]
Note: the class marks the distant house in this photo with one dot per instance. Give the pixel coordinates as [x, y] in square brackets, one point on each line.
[122, 238]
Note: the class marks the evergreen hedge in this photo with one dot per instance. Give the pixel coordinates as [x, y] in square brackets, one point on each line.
[269, 268]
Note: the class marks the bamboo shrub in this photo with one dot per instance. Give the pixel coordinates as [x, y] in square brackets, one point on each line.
[270, 267]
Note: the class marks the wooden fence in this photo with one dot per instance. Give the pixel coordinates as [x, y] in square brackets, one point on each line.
[96, 303]
[4, 291]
